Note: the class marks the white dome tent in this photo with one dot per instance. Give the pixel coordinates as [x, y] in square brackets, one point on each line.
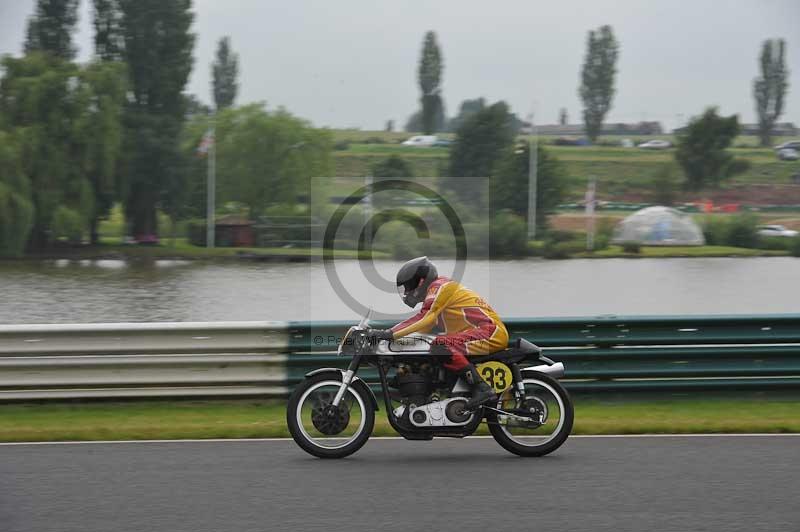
[659, 226]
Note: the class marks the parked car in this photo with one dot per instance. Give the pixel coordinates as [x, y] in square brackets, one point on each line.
[422, 141]
[791, 144]
[788, 154]
[655, 145]
[775, 230]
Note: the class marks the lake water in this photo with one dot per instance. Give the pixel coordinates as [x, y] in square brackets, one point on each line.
[117, 291]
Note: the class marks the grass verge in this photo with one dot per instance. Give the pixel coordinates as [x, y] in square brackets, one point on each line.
[260, 419]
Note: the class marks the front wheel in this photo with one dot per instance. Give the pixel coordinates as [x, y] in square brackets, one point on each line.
[544, 418]
[326, 431]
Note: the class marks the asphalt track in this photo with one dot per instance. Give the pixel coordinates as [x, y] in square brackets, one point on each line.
[620, 483]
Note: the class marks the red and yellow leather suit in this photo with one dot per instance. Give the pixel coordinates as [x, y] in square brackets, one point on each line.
[470, 325]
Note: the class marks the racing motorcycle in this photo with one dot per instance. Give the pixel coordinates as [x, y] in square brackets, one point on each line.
[331, 413]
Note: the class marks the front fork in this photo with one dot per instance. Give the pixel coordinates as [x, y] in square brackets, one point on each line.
[347, 378]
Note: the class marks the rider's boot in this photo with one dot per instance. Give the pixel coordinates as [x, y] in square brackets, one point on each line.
[481, 391]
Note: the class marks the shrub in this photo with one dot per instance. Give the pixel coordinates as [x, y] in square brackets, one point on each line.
[342, 145]
[794, 246]
[555, 236]
[742, 231]
[67, 223]
[715, 230]
[631, 247]
[509, 236]
[374, 140]
[562, 250]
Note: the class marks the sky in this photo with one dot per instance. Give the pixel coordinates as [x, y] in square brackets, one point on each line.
[352, 63]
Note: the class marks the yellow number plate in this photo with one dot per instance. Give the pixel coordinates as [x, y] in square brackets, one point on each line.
[497, 374]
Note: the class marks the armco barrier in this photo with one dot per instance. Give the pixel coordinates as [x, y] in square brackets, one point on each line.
[601, 354]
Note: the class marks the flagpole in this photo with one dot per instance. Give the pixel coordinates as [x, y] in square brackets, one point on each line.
[211, 188]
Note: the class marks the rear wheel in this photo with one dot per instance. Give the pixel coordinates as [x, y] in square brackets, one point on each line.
[326, 431]
[542, 422]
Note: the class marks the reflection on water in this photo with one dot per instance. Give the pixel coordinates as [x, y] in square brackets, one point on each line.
[65, 291]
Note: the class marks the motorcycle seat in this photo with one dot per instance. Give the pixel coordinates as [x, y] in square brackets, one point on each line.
[519, 350]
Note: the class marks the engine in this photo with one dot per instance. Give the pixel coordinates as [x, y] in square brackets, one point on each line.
[421, 406]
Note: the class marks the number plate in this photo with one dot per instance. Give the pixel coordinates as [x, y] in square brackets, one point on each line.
[497, 374]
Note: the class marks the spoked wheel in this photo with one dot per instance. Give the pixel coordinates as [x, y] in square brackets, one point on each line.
[324, 430]
[540, 424]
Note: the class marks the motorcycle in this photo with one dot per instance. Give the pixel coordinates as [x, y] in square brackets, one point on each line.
[331, 413]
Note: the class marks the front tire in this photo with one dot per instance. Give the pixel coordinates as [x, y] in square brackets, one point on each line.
[540, 389]
[341, 435]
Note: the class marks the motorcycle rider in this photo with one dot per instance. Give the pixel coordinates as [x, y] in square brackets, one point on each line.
[471, 327]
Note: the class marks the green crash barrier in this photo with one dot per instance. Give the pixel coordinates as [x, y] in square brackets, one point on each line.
[622, 353]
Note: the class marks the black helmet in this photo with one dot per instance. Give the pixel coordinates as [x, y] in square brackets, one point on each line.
[408, 280]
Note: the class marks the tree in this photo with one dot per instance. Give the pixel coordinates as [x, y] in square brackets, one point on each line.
[769, 90]
[158, 50]
[263, 158]
[481, 141]
[597, 78]
[224, 71]
[466, 110]
[66, 120]
[429, 74]
[16, 207]
[50, 28]
[510, 182]
[108, 39]
[101, 128]
[563, 118]
[702, 150]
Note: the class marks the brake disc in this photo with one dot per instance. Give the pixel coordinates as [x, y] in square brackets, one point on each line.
[330, 420]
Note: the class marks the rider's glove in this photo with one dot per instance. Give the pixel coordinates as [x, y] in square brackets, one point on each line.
[375, 335]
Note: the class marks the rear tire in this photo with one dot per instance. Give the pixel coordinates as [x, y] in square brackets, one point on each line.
[557, 439]
[301, 437]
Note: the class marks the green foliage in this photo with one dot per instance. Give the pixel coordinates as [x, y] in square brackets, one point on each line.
[769, 89]
[224, 71]
[597, 78]
[158, 50]
[794, 247]
[509, 183]
[632, 247]
[429, 74]
[509, 235]
[393, 166]
[742, 231]
[68, 224]
[263, 158]
[66, 120]
[108, 40]
[466, 110]
[702, 150]
[715, 230]
[16, 207]
[50, 28]
[665, 184]
[481, 142]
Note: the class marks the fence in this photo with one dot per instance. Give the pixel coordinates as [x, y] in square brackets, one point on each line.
[601, 354]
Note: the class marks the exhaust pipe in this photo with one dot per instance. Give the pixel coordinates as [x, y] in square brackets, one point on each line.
[556, 370]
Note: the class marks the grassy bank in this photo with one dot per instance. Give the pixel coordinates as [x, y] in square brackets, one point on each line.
[181, 249]
[619, 171]
[254, 419]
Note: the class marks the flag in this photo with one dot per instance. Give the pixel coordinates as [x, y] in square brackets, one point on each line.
[205, 143]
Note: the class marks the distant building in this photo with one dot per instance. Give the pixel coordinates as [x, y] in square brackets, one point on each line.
[618, 128]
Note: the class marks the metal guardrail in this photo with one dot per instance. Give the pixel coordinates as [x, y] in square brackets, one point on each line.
[602, 354]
